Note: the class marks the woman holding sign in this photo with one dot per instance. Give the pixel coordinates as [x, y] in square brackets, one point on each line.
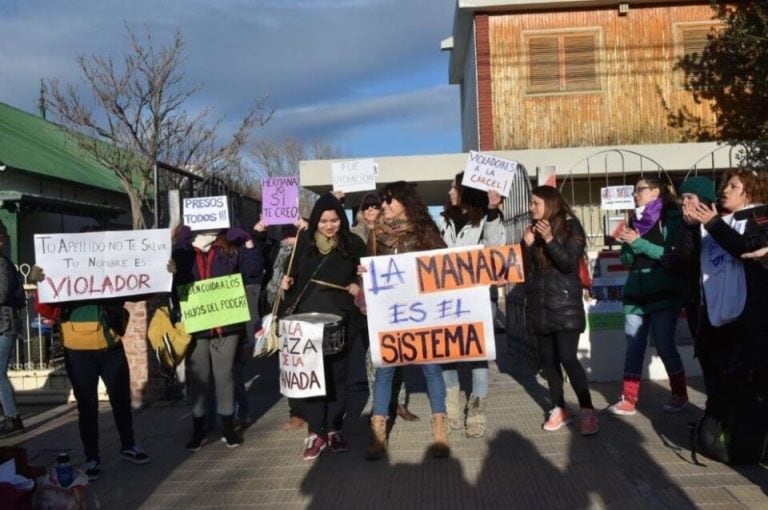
[406, 227]
[199, 256]
[553, 246]
[472, 217]
[323, 279]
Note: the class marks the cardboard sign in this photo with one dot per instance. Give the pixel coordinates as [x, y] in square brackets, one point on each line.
[96, 265]
[356, 175]
[427, 313]
[206, 213]
[617, 198]
[302, 373]
[466, 269]
[489, 173]
[280, 200]
[212, 303]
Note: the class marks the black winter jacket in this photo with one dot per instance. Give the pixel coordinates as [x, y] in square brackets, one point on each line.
[553, 293]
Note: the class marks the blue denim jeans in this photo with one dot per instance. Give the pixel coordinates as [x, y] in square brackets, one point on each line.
[382, 389]
[480, 376]
[7, 399]
[636, 327]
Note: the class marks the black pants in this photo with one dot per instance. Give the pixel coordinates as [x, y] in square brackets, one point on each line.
[324, 414]
[718, 350]
[560, 349]
[84, 369]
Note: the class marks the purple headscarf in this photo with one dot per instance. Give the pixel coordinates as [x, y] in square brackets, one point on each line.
[650, 215]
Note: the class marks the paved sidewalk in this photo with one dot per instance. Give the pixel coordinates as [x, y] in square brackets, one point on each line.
[636, 462]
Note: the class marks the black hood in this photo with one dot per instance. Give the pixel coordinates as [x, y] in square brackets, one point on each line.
[327, 202]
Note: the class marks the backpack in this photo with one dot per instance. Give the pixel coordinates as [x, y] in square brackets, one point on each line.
[734, 429]
[16, 298]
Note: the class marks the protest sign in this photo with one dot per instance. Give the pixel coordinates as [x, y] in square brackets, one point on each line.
[356, 175]
[215, 302]
[617, 198]
[206, 213]
[434, 306]
[97, 265]
[302, 373]
[489, 173]
[280, 200]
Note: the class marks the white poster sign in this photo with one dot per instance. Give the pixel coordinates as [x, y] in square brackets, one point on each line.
[434, 306]
[302, 373]
[489, 173]
[617, 198]
[206, 213]
[356, 175]
[98, 265]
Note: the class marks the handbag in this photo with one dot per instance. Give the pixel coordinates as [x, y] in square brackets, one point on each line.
[584, 274]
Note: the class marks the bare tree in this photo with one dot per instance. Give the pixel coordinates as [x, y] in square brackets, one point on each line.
[134, 116]
[274, 159]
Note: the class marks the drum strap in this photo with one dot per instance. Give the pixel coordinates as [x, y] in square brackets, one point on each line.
[289, 310]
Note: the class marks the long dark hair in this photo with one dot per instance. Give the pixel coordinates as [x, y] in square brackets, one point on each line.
[328, 202]
[473, 203]
[559, 214]
[424, 229]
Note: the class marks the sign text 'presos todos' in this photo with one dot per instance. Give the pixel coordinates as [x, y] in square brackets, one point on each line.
[206, 213]
[97, 265]
[435, 305]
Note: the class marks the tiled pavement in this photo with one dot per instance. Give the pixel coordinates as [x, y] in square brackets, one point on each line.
[638, 462]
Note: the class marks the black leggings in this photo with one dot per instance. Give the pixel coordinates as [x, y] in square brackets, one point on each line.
[560, 349]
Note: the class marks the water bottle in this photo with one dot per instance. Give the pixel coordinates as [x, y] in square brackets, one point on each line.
[64, 470]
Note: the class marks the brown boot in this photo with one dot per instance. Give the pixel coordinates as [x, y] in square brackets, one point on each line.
[377, 447]
[440, 447]
[294, 423]
[404, 413]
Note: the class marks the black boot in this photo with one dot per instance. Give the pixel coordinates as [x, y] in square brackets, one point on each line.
[11, 426]
[230, 435]
[198, 434]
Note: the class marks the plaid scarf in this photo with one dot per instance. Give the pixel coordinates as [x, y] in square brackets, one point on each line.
[391, 234]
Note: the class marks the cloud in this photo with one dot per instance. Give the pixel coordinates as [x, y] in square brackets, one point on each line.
[345, 61]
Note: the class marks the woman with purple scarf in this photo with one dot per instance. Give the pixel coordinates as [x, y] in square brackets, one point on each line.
[652, 294]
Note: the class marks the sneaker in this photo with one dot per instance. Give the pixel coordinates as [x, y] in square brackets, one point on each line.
[622, 408]
[589, 424]
[558, 418]
[314, 446]
[337, 441]
[135, 454]
[676, 404]
[92, 469]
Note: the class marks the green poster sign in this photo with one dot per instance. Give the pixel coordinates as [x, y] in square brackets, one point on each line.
[213, 303]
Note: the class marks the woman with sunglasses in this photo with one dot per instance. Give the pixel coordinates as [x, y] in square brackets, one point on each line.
[653, 294]
[553, 246]
[368, 216]
[471, 217]
[406, 227]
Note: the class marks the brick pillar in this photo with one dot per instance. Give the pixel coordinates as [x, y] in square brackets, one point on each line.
[484, 83]
[147, 384]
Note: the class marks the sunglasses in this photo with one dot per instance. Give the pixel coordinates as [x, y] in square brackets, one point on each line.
[372, 205]
[388, 199]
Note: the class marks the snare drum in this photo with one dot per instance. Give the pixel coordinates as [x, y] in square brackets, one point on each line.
[333, 329]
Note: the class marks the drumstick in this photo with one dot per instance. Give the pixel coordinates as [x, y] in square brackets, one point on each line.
[327, 284]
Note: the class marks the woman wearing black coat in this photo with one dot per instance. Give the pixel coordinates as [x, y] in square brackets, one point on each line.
[554, 311]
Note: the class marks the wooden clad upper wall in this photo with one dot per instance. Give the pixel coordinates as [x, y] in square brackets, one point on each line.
[635, 64]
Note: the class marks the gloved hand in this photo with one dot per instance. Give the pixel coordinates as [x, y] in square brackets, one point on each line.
[237, 235]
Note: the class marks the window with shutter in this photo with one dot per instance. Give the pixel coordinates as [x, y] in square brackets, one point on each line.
[562, 62]
[691, 41]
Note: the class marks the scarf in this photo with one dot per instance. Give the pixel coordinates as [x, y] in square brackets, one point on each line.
[646, 216]
[391, 233]
[204, 240]
[325, 244]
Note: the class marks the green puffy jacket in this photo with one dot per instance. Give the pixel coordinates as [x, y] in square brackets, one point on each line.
[650, 286]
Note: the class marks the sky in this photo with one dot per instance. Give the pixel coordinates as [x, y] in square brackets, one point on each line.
[366, 76]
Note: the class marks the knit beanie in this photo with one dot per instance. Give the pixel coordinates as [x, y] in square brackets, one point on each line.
[702, 187]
